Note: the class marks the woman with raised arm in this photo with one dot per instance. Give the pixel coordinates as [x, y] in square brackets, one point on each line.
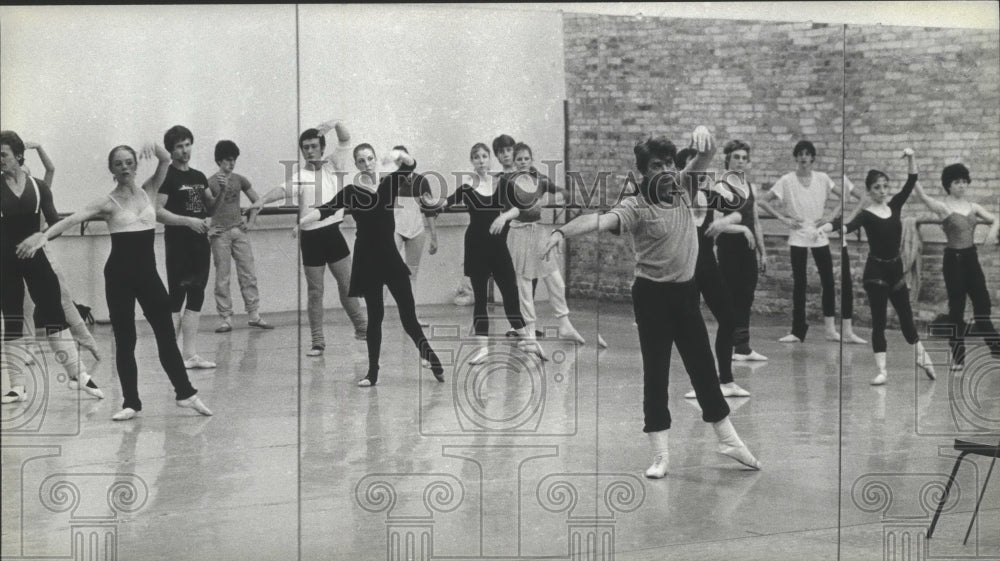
[23, 202]
[963, 275]
[665, 294]
[883, 276]
[486, 255]
[377, 262]
[130, 275]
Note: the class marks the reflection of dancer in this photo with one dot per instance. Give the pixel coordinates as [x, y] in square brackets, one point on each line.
[130, 275]
[665, 295]
[883, 276]
[486, 255]
[804, 193]
[742, 254]
[181, 206]
[77, 326]
[963, 275]
[522, 194]
[23, 201]
[229, 239]
[377, 262]
[323, 245]
[410, 216]
[706, 272]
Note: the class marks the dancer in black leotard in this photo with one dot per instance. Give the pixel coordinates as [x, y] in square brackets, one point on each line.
[485, 254]
[377, 263]
[130, 275]
[23, 200]
[883, 276]
[963, 275]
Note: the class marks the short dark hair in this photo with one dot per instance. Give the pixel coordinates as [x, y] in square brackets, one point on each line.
[649, 148]
[681, 158]
[310, 134]
[111, 154]
[400, 147]
[11, 139]
[175, 134]
[360, 147]
[503, 141]
[225, 149]
[477, 147]
[734, 145]
[521, 147]
[953, 172]
[804, 146]
[872, 177]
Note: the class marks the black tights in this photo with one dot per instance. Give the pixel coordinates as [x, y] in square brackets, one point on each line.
[719, 301]
[129, 276]
[402, 292]
[879, 296]
[963, 278]
[824, 265]
[508, 291]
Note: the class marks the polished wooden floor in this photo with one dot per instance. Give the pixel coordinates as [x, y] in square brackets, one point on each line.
[513, 459]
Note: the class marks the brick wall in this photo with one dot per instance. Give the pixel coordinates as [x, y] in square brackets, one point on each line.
[772, 84]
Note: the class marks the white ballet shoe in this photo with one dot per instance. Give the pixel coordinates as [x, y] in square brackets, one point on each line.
[879, 379]
[832, 335]
[690, 395]
[601, 342]
[124, 414]
[852, 338]
[365, 383]
[741, 454]
[928, 367]
[659, 467]
[479, 356]
[754, 356]
[195, 403]
[81, 384]
[571, 334]
[733, 390]
[532, 347]
[196, 362]
[789, 339]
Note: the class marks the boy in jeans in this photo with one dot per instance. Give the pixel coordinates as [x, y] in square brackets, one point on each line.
[228, 235]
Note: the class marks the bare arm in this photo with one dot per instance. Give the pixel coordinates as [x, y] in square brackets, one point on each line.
[99, 208]
[595, 222]
[765, 201]
[152, 185]
[50, 168]
[988, 216]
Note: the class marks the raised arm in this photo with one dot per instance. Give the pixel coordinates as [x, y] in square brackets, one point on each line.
[702, 141]
[50, 168]
[899, 198]
[152, 185]
[339, 154]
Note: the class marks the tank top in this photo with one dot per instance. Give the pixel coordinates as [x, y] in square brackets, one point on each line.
[127, 220]
[959, 229]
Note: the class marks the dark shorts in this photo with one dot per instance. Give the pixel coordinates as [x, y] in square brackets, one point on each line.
[323, 245]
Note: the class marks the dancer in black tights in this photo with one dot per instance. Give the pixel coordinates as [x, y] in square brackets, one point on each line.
[486, 255]
[883, 276]
[23, 201]
[130, 275]
[377, 262]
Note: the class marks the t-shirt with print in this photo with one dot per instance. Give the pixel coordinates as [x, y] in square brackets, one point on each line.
[664, 237]
[227, 212]
[315, 187]
[805, 203]
[185, 191]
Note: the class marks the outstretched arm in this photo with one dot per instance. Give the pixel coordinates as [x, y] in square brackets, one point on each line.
[27, 248]
[607, 222]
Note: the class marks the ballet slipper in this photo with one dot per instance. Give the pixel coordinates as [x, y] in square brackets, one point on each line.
[658, 442]
[125, 414]
[924, 361]
[731, 446]
[195, 403]
[881, 375]
[15, 394]
[789, 339]
[370, 380]
[480, 355]
[601, 342]
[733, 390]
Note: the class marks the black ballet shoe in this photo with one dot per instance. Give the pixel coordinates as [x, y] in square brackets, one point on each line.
[438, 373]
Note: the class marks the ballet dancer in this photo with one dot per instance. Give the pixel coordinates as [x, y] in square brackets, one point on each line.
[522, 196]
[323, 245]
[963, 275]
[486, 255]
[742, 255]
[130, 275]
[77, 326]
[377, 262]
[410, 216]
[803, 194]
[182, 206]
[707, 198]
[229, 239]
[664, 294]
[23, 202]
[883, 277]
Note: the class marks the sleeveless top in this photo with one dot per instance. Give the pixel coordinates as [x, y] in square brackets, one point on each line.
[127, 220]
[959, 229]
